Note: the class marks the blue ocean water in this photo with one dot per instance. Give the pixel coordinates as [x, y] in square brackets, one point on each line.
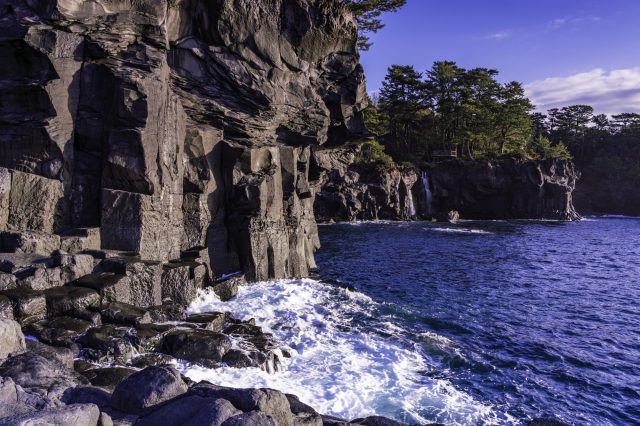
[531, 319]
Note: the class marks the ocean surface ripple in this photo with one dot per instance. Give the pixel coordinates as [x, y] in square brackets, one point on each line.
[476, 323]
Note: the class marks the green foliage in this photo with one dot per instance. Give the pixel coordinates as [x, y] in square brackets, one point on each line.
[372, 152]
[367, 14]
[543, 148]
[450, 108]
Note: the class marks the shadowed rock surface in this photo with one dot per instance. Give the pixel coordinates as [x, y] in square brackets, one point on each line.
[158, 127]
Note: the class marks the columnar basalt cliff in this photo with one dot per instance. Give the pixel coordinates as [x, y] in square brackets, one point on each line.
[508, 188]
[348, 192]
[162, 127]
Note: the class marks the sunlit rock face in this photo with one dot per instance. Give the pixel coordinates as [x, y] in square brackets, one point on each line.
[172, 125]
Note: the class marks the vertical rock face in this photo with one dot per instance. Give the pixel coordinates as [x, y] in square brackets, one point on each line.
[348, 191]
[173, 125]
[506, 189]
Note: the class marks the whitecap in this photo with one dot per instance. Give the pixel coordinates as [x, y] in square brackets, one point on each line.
[337, 366]
[460, 230]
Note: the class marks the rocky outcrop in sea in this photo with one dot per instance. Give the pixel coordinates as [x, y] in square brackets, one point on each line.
[506, 188]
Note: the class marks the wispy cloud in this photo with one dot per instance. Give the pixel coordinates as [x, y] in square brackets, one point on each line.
[609, 92]
[572, 23]
[499, 35]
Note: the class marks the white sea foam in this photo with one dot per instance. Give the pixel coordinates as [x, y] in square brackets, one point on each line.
[460, 230]
[337, 367]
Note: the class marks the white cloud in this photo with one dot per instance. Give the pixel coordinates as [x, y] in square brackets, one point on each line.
[572, 22]
[500, 35]
[609, 92]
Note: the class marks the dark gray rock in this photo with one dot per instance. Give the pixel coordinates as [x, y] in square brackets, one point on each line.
[88, 395]
[6, 307]
[7, 281]
[61, 331]
[80, 239]
[62, 355]
[29, 306]
[148, 388]
[11, 339]
[227, 288]
[73, 266]
[253, 418]
[65, 300]
[150, 360]
[28, 242]
[108, 377]
[145, 278]
[200, 346]
[167, 312]
[107, 343]
[48, 376]
[267, 401]
[191, 410]
[181, 280]
[124, 314]
[147, 337]
[212, 321]
[304, 414]
[76, 414]
[111, 287]
[243, 359]
[377, 421]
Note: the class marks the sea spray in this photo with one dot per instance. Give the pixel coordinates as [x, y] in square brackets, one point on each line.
[340, 365]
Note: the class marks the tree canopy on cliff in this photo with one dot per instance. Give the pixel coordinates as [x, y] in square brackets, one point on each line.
[367, 14]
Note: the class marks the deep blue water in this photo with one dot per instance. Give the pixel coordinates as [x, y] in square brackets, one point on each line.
[542, 319]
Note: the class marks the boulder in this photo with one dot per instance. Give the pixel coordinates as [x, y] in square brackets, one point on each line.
[75, 414]
[212, 321]
[192, 410]
[377, 421]
[304, 414]
[107, 343]
[47, 376]
[108, 377]
[147, 337]
[7, 281]
[227, 288]
[151, 360]
[111, 287]
[39, 278]
[62, 355]
[89, 395]
[201, 346]
[268, 401]
[11, 339]
[64, 300]
[29, 306]
[167, 312]
[238, 358]
[148, 388]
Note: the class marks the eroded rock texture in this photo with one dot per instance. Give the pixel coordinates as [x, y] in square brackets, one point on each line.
[505, 189]
[173, 125]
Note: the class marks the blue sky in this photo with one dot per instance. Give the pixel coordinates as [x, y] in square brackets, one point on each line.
[565, 51]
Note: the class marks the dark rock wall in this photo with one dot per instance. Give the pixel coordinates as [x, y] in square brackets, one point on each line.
[171, 125]
[505, 189]
[348, 192]
[500, 189]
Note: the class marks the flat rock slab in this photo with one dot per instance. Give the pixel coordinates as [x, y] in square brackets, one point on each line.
[110, 286]
[201, 346]
[124, 314]
[76, 414]
[147, 388]
[60, 331]
[11, 339]
[28, 242]
[13, 263]
[63, 300]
